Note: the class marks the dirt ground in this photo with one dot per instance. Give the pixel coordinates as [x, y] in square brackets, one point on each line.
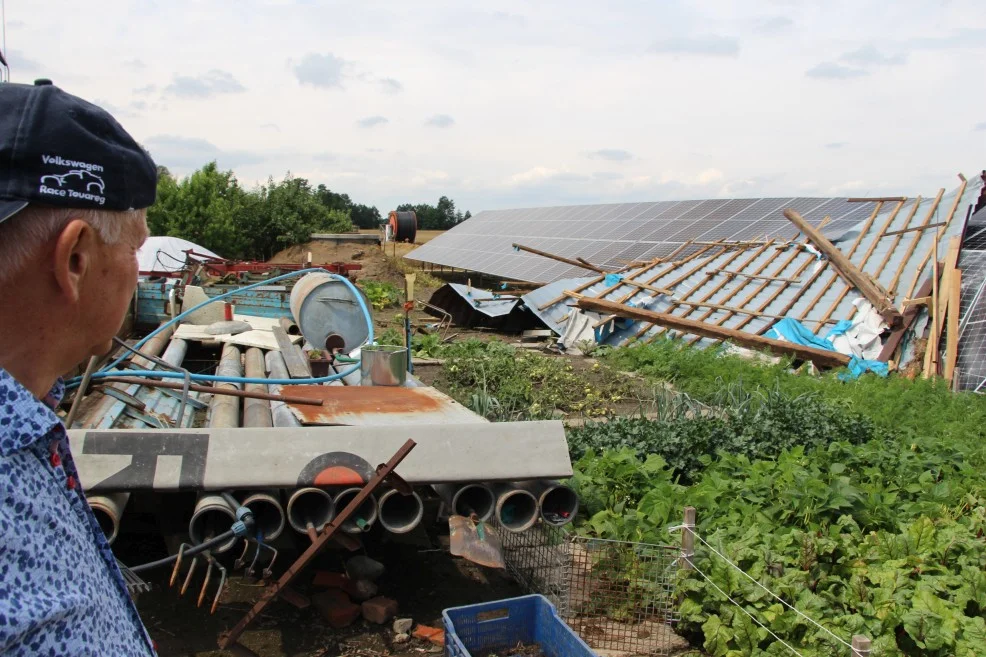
[424, 580]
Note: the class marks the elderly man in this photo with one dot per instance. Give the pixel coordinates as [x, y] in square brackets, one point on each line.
[74, 188]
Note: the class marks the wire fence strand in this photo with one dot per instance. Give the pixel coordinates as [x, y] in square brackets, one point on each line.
[771, 593]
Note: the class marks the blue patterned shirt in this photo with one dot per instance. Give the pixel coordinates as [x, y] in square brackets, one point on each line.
[61, 591]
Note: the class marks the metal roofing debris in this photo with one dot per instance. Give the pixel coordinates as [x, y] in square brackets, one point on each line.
[749, 287]
[612, 235]
[167, 254]
[470, 306]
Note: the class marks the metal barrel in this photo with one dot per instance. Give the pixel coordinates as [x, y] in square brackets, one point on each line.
[398, 513]
[327, 312]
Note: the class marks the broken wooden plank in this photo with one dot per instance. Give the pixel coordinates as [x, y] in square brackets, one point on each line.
[552, 256]
[939, 234]
[914, 245]
[910, 314]
[727, 272]
[294, 358]
[820, 357]
[940, 304]
[849, 271]
[913, 229]
[952, 335]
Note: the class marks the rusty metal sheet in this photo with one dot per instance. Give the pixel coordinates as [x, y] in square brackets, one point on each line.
[377, 405]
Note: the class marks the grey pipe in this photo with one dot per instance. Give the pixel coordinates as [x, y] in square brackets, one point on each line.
[310, 506]
[108, 510]
[281, 414]
[398, 513]
[224, 411]
[516, 508]
[367, 511]
[558, 503]
[256, 412]
[212, 516]
[467, 499]
[268, 513]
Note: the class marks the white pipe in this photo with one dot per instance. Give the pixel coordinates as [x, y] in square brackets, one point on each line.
[310, 506]
[212, 516]
[268, 513]
[367, 511]
[108, 510]
[516, 508]
[400, 514]
[467, 499]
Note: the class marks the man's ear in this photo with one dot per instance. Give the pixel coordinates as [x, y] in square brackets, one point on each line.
[74, 256]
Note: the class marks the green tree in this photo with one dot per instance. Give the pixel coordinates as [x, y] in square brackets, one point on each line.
[365, 216]
[436, 217]
[203, 208]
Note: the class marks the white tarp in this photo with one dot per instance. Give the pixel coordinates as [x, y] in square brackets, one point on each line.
[166, 254]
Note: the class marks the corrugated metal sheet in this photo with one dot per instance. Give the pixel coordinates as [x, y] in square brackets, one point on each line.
[702, 278]
[554, 315]
[484, 301]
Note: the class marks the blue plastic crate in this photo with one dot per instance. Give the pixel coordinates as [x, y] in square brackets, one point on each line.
[476, 630]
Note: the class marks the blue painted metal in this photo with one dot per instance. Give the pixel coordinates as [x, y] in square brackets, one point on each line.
[152, 300]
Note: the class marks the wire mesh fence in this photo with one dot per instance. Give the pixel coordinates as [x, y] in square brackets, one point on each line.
[618, 596]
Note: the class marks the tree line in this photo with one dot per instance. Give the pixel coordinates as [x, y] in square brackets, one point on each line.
[211, 208]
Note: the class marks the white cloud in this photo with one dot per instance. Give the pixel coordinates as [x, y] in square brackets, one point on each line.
[391, 86]
[371, 121]
[323, 71]
[714, 45]
[833, 71]
[206, 85]
[440, 121]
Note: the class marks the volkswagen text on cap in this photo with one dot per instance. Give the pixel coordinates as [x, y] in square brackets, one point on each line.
[60, 150]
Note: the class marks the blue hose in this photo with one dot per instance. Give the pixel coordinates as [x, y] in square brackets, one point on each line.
[106, 371]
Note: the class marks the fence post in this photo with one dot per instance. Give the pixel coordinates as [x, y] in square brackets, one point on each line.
[860, 646]
[688, 538]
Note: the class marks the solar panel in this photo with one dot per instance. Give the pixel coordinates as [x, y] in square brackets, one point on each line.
[607, 235]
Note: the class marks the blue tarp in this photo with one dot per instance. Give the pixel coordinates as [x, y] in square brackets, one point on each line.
[794, 331]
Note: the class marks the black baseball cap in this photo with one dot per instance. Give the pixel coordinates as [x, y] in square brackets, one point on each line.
[60, 150]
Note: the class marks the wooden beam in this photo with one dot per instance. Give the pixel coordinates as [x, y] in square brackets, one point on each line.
[294, 358]
[910, 314]
[835, 275]
[940, 300]
[939, 234]
[952, 337]
[914, 244]
[878, 199]
[552, 256]
[848, 270]
[820, 357]
[913, 229]
[728, 272]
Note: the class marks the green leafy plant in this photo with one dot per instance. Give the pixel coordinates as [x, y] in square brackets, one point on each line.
[381, 293]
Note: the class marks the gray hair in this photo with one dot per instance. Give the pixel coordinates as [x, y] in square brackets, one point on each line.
[27, 232]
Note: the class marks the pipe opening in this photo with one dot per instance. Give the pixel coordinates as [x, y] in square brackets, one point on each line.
[517, 510]
[268, 515]
[366, 513]
[310, 505]
[400, 514]
[212, 517]
[474, 498]
[559, 506]
[106, 522]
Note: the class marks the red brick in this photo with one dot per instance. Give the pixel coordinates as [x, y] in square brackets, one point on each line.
[379, 610]
[336, 608]
[327, 580]
[432, 634]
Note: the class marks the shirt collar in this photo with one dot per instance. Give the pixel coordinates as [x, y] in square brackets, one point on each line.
[24, 419]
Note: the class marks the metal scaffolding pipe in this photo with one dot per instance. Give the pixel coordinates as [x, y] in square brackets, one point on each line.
[225, 410]
[558, 504]
[108, 510]
[398, 513]
[268, 513]
[212, 516]
[467, 499]
[281, 415]
[516, 508]
[310, 507]
[365, 515]
[256, 412]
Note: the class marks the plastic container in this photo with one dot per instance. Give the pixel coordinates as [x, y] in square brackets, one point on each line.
[476, 630]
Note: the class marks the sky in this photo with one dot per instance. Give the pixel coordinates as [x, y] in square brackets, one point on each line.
[517, 104]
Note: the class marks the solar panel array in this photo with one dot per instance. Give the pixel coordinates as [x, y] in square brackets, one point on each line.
[611, 235]
[971, 364]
